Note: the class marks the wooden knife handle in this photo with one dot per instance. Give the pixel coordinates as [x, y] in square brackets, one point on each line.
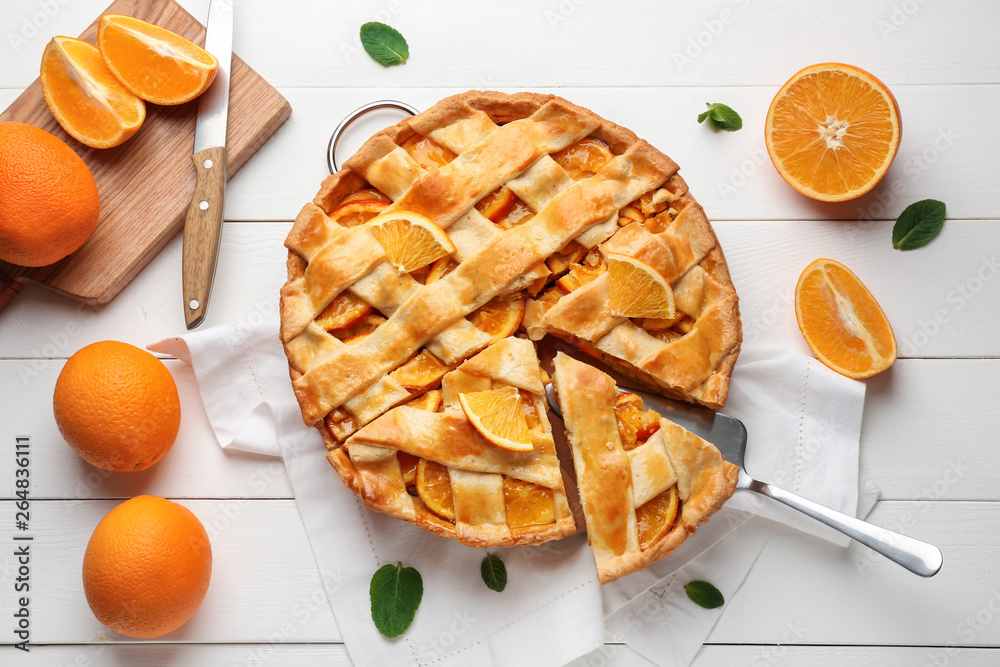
[202, 230]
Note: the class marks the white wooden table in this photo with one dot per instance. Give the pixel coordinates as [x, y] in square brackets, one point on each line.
[929, 435]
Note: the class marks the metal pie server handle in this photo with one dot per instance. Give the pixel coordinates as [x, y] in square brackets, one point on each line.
[730, 436]
[916, 556]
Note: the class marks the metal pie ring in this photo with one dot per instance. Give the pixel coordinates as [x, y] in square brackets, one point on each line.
[331, 153]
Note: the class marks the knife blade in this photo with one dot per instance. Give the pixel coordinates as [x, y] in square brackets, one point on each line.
[203, 225]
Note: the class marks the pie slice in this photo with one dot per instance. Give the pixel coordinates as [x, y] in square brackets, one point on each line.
[513, 205]
[645, 483]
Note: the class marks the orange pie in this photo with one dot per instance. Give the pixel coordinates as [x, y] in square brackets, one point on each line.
[422, 275]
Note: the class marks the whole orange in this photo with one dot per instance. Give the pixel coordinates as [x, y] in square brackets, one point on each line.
[117, 406]
[48, 198]
[147, 567]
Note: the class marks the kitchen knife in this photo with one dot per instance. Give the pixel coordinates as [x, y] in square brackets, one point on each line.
[203, 225]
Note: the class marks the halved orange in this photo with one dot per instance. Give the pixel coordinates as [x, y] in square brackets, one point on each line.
[155, 64]
[636, 289]
[832, 131]
[85, 97]
[842, 322]
[410, 240]
[499, 417]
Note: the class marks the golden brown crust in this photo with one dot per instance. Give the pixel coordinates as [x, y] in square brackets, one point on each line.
[512, 138]
[609, 478]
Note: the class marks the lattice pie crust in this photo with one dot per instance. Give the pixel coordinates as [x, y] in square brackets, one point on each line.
[533, 191]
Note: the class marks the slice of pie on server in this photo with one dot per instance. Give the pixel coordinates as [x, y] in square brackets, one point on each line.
[641, 497]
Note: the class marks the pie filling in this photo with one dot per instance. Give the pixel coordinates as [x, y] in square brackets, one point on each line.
[348, 316]
[533, 193]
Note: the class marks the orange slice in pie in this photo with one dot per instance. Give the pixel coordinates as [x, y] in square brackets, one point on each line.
[410, 240]
[434, 488]
[357, 212]
[638, 290]
[498, 416]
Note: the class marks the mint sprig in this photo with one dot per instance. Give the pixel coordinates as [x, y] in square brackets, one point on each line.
[494, 573]
[395, 593]
[704, 594]
[721, 117]
[918, 224]
[384, 44]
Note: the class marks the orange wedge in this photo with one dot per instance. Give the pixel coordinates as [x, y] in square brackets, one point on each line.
[434, 488]
[832, 131]
[410, 240]
[657, 516]
[155, 64]
[498, 416]
[842, 322]
[500, 317]
[638, 290]
[85, 97]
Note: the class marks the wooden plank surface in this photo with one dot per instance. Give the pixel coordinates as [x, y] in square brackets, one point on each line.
[264, 578]
[263, 575]
[929, 424]
[534, 43]
[949, 456]
[943, 152]
[950, 306]
[146, 183]
[332, 655]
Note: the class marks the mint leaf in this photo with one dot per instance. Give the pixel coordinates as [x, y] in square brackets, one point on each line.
[704, 594]
[494, 573]
[918, 224]
[395, 592]
[384, 44]
[721, 117]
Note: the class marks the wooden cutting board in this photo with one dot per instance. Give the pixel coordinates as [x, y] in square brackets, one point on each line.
[146, 183]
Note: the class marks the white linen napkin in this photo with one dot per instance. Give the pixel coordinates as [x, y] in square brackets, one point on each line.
[804, 422]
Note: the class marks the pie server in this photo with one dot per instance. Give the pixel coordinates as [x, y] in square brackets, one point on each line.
[729, 435]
